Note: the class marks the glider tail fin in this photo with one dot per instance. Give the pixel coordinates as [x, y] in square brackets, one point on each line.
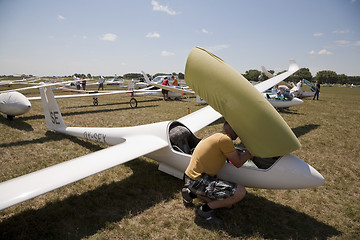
[146, 77]
[53, 118]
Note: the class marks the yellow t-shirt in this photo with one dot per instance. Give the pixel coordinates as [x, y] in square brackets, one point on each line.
[209, 155]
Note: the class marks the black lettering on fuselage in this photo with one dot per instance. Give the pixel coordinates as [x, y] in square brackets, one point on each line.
[97, 137]
[54, 117]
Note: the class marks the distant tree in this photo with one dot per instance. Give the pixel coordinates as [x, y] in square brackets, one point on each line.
[354, 80]
[303, 73]
[132, 76]
[252, 75]
[88, 75]
[342, 79]
[326, 76]
[181, 75]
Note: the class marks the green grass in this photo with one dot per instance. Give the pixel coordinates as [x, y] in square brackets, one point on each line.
[136, 201]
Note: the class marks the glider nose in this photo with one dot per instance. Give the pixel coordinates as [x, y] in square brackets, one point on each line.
[24, 106]
[297, 101]
[299, 174]
[316, 177]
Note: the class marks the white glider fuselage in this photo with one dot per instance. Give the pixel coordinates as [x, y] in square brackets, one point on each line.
[283, 103]
[14, 103]
[285, 172]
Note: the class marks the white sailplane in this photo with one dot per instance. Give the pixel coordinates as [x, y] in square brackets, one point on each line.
[172, 149]
[296, 90]
[283, 102]
[13, 103]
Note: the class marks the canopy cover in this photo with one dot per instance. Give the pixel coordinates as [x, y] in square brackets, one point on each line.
[259, 126]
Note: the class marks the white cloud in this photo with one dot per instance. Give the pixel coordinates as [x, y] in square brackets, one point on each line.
[204, 30]
[158, 7]
[343, 43]
[341, 31]
[108, 37]
[321, 52]
[324, 52]
[218, 47]
[167, 54]
[318, 34]
[357, 43]
[60, 17]
[153, 35]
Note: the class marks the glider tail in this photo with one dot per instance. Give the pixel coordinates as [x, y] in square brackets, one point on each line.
[146, 77]
[53, 118]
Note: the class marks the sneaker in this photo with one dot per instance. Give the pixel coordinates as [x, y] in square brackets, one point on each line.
[209, 216]
[187, 199]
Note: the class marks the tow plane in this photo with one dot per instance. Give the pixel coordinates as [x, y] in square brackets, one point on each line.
[171, 142]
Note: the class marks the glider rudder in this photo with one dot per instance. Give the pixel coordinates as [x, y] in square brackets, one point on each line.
[53, 118]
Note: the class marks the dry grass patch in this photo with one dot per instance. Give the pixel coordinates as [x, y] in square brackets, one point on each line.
[135, 200]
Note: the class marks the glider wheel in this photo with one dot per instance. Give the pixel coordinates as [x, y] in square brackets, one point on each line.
[95, 101]
[133, 103]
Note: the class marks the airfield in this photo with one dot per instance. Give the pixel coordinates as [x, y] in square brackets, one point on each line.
[136, 201]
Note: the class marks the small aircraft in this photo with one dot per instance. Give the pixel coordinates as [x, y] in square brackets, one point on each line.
[284, 101]
[13, 104]
[171, 143]
[296, 90]
[299, 92]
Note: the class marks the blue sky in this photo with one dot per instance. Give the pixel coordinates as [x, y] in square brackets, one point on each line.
[107, 37]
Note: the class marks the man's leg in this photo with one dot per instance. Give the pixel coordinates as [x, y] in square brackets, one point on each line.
[228, 202]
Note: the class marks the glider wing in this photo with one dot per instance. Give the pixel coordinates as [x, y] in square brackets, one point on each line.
[36, 183]
[263, 86]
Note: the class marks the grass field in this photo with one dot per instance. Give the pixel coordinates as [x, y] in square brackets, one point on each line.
[136, 201]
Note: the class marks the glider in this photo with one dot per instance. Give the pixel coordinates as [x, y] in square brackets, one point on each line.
[14, 103]
[171, 142]
[296, 90]
[288, 101]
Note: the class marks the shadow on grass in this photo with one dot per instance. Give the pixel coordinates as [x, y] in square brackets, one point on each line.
[17, 123]
[51, 137]
[289, 111]
[80, 216]
[117, 103]
[83, 215]
[257, 216]
[302, 130]
[33, 117]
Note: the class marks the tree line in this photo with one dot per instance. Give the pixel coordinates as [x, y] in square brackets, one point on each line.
[325, 76]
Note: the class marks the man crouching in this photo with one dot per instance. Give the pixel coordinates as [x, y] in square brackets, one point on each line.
[200, 178]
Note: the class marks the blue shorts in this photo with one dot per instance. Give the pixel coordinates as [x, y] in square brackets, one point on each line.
[211, 187]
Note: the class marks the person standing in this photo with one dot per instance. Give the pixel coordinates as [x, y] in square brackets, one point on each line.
[175, 81]
[101, 83]
[165, 92]
[317, 90]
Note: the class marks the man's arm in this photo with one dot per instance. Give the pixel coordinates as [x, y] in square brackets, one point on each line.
[238, 158]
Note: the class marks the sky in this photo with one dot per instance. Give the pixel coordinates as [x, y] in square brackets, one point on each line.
[108, 37]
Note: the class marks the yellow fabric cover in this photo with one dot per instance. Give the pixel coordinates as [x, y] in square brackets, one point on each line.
[259, 126]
